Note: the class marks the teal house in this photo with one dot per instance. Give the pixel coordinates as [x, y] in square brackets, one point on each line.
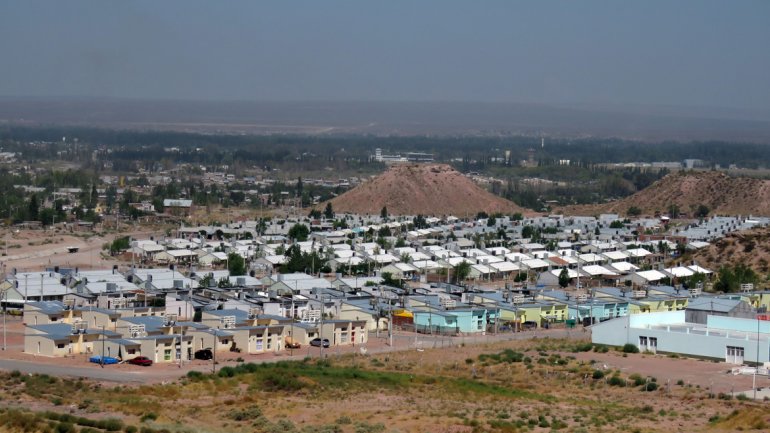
[460, 320]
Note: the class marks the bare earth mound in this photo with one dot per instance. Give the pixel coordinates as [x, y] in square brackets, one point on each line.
[721, 193]
[427, 189]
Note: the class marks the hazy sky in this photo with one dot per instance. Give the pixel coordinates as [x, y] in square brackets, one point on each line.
[691, 53]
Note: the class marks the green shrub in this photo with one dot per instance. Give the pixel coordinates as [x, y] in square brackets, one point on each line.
[630, 348]
[226, 372]
[151, 416]
[617, 381]
[598, 374]
[194, 375]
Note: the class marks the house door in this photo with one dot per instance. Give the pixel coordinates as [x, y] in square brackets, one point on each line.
[643, 344]
[734, 355]
[653, 346]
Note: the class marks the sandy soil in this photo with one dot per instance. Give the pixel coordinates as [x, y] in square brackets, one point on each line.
[427, 189]
[33, 250]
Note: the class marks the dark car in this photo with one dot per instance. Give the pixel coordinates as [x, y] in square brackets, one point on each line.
[204, 354]
[141, 360]
[316, 342]
[529, 324]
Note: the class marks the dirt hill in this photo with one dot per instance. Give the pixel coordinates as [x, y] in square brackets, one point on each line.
[721, 193]
[750, 247]
[427, 189]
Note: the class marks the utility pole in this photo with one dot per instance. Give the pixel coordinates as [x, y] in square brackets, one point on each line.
[101, 358]
[216, 341]
[5, 313]
[321, 329]
[756, 367]
[291, 315]
[390, 324]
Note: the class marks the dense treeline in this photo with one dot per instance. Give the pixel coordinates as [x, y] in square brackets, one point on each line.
[477, 153]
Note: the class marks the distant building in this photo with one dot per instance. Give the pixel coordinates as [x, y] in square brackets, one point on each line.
[177, 206]
[410, 157]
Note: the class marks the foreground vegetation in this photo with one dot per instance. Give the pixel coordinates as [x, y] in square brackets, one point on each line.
[520, 387]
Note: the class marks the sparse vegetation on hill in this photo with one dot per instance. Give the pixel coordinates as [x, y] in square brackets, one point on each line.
[693, 194]
[749, 248]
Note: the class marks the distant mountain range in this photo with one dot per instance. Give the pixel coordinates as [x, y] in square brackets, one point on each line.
[642, 123]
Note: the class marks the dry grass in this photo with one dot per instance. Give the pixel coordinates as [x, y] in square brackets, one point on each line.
[532, 386]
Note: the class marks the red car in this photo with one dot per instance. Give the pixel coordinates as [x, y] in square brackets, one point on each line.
[141, 360]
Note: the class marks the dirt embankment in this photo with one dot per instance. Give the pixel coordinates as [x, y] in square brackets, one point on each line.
[427, 189]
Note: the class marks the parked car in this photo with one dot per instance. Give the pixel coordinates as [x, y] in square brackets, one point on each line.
[204, 354]
[529, 324]
[141, 360]
[291, 343]
[103, 360]
[316, 342]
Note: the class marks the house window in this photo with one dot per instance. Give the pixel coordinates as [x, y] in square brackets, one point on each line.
[60, 345]
[259, 344]
[132, 351]
[344, 337]
[480, 325]
[224, 341]
[269, 343]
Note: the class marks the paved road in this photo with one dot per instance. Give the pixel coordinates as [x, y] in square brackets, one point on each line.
[402, 341]
[95, 372]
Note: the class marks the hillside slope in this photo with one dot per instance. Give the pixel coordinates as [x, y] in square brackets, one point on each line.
[427, 189]
[750, 248]
[721, 193]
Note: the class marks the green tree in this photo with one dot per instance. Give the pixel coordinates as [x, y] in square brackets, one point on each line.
[564, 278]
[236, 264]
[315, 214]
[112, 196]
[329, 211]
[299, 232]
[120, 244]
[634, 211]
[461, 271]
[617, 224]
[388, 280]
[419, 222]
[731, 278]
[491, 221]
[33, 208]
[702, 211]
[384, 213]
[299, 187]
[673, 210]
[528, 232]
